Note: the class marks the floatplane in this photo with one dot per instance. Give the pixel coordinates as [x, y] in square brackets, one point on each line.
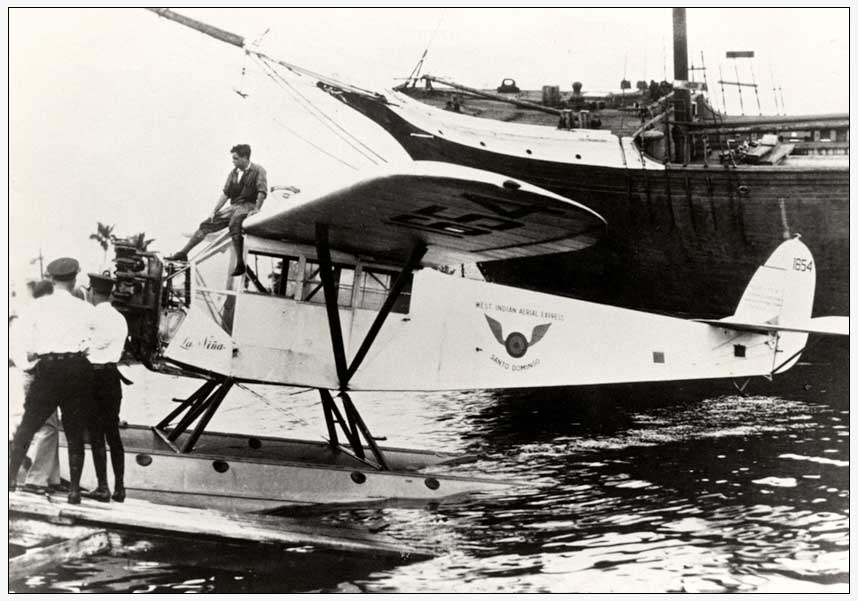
[342, 296]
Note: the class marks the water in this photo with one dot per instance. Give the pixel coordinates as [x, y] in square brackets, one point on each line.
[639, 489]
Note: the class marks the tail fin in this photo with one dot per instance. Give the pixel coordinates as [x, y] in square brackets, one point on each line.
[778, 301]
[782, 289]
[781, 293]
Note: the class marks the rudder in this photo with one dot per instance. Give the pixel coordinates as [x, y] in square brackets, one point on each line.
[781, 292]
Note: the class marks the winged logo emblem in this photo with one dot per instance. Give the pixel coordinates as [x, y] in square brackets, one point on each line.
[516, 344]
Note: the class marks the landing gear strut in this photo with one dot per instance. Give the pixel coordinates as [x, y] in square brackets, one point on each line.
[204, 402]
[353, 427]
[198, 409]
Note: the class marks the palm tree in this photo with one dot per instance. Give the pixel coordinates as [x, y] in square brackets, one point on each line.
[143, 242]
[104, 236]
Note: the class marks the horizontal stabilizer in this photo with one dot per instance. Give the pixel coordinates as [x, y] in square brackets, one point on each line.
[834, 325]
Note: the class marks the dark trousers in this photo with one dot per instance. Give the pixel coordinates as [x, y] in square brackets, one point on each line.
[102, 421]
[65, 383]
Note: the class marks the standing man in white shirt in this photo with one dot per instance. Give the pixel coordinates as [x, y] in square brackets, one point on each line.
[57, 336]
[44, 473]
[108, 341]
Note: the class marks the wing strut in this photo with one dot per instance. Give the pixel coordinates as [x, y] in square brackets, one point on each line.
[326, 272]
[392, 297]
[353, 425]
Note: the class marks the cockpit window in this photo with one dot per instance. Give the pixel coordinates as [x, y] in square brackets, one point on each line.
[269, 270]
[300, 279]
[375, 285]
[313, 292]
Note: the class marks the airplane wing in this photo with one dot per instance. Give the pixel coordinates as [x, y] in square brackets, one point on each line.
[463, 215]
[833, 325]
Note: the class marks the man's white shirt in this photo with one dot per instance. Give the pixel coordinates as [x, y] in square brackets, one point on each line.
[110, 332]
[57, 323]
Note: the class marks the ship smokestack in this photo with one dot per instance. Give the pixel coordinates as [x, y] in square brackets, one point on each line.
[680, 46]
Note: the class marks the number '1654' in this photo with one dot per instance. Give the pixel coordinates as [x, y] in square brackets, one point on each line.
[800, 264]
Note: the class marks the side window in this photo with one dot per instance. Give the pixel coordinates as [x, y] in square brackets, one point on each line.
[212, 269]
[374, 287]
[313, 290]
[277, 275]
[211, 278]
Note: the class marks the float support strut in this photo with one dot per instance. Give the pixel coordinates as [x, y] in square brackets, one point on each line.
[214, 402]
[353, 427]
[205, 401]
[201, 393]
[357, 423]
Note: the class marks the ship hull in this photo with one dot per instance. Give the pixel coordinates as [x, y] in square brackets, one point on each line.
[680, 240]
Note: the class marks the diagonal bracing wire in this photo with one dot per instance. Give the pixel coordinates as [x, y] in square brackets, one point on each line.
[319, 114]
[302, 138]
[314, 145]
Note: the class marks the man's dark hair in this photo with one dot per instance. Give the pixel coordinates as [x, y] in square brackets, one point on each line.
[242, 150]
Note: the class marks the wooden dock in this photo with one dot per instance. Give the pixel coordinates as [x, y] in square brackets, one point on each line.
[174, 520]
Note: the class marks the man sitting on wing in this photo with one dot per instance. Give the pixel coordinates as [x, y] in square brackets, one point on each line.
[246, 188]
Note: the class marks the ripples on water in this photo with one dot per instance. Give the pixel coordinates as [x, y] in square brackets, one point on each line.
[645, 490]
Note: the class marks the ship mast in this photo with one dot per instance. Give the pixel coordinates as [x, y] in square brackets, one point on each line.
[681, 101]
[237, 40]
[215, 32]
[680, 46]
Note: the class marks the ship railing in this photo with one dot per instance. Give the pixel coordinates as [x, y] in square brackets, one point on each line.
[649, 124]
[659, 109]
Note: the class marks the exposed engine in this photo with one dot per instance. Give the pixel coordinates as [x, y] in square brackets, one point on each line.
[145, 292]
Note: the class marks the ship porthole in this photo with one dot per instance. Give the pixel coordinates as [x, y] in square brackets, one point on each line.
[744, 190]
[528, 151]
[578, 156]
[482, 143]
[440, 132]
[220, 466]
[254, 443]
[432, 483]
[358, 477]
[143, 460]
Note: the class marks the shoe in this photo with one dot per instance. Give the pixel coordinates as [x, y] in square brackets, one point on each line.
[74, 498]
[119, 494]
[62, 487]
[179, 256]
[34, 489]
[100, 494]
[240, 269]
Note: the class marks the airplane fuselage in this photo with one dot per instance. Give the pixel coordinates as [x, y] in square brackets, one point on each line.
[448, 333]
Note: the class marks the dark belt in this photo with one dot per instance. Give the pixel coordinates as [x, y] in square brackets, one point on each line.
[111, 366]
[59, 356]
